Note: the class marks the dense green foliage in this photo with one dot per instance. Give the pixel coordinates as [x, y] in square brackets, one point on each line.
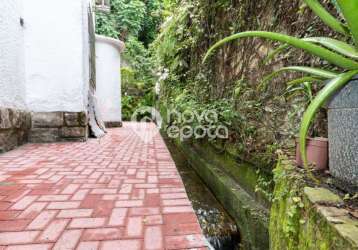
[261, 117]
[136, 23]
[137, 78]
[130, 18]
[190, 86]
[152, 21]
[298, 216]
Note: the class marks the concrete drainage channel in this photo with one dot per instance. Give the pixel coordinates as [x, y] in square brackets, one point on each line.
[218, 227]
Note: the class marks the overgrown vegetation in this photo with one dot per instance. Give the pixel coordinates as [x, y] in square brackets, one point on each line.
[298, 221]
[136, 23]
[336, 52]
[261, 117]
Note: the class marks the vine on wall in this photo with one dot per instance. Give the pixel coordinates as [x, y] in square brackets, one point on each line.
[261, 118]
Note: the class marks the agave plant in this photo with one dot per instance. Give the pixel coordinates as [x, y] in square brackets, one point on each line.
[334, 51]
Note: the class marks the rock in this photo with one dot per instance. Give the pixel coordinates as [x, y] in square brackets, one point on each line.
[28, 121]
[14, 128]
[5, 122]
[47, 119]
[83, 119]
[61, 126]
[8, 140]
[18, 127]
[321, 195]
[17, 118]
[3, 141]
[332, 211]
[73, 132]
[38, 135]
[349, 231]
[71, 119]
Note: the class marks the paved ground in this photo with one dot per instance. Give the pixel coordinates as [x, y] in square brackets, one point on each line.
[113, 193]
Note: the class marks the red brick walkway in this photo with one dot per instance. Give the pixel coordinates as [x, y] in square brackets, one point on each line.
[113, 193]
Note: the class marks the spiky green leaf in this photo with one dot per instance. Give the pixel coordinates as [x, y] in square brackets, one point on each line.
[333, 44]
[336, 45]
[325, 74]
[326, 17]
[314, 49]
[303, 80]
[305, 88]
[349, 9]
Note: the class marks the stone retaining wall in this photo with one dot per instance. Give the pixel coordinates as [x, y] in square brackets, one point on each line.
[18, 127]
[304, 217]
[14, 128]
[58, 126]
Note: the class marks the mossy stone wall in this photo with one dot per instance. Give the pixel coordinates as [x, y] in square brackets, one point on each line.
[305, 218]
[300, 217]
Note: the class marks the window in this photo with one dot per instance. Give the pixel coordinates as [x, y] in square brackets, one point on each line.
[103, 5]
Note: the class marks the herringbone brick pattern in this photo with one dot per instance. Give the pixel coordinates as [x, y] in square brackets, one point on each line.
[111, 193]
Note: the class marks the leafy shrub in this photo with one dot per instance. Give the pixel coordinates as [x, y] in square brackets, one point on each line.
[137, 79]
[152, 22]
[106, 25]
[130, 18]
[138, 57]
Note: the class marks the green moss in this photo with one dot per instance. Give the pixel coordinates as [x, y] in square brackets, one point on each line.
[250, 216]
[296, 220]
[321, 195]
[257, 183]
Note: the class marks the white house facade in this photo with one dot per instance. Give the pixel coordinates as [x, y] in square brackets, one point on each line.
[56, 55]
[47, 72]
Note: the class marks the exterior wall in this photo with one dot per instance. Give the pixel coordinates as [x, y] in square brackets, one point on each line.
[108, 78]
[56, 75]
[12, 82]
[57, 69]
[44, 69]
[14, 119]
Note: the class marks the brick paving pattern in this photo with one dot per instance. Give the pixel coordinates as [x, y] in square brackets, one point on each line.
[111, 193]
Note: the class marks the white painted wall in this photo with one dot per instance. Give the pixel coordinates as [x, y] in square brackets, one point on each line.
[108, 70]
[56, 55]
[12, 69]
